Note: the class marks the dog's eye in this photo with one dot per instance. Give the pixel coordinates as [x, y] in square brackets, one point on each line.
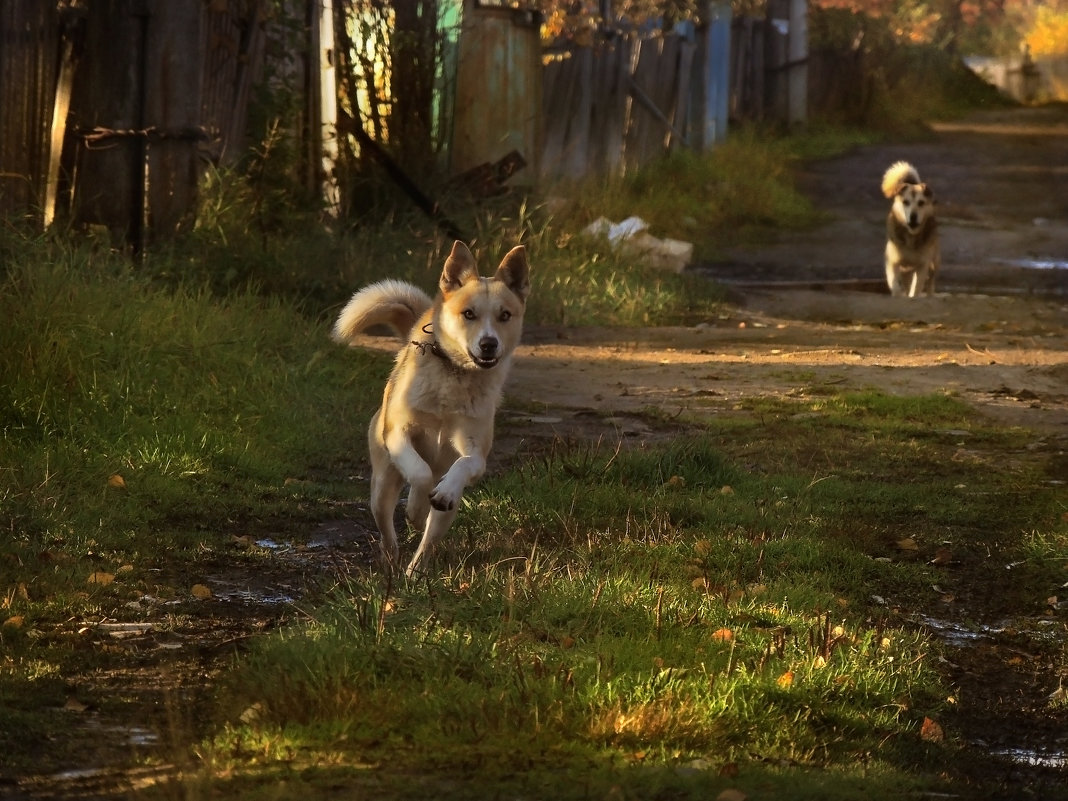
[469, 314]
[505, 316]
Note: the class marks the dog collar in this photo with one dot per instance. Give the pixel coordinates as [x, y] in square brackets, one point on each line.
[432, 346]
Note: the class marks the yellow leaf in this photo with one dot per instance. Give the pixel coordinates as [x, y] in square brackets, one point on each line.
[786, 679]
[14, 622]
[201, 592]
[703, 547]
[21, 592]
[819, 662]
[908, 544]
[676, 481]
[101, 578]
[567, 642]
[726, 489]
[117, 482]
[700, 583]
[723, 635]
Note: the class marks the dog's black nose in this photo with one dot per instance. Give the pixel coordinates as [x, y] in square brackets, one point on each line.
[487, 347]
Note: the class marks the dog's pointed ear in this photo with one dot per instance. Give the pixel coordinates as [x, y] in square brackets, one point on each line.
[514, 272]
[459, 268]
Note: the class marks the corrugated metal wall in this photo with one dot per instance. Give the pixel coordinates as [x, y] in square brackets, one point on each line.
[498, 89]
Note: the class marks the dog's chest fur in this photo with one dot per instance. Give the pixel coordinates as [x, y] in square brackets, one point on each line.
[912, 246]
[432, 385]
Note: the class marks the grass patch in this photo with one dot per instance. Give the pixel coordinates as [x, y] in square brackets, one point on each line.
[657, 618]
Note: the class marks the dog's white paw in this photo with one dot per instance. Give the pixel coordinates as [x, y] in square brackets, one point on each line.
[445, 496]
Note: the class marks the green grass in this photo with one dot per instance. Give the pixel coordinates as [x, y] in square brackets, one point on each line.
[626, 622]
[625, 615]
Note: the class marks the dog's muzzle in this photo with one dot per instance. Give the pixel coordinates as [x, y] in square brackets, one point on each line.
[487, 354]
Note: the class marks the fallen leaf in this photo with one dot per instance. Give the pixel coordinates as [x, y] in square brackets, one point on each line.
[786, 679]
[117, 482]
[700, 583]
[101, 578]
[819, 662]
[726, 490]
[567, 642]
[703, 547]
[908, 544]
[730, 794]
[201, 592]
[676, 481]
[943, 556]
[21, 592]
[729, 771]
[14, 622]
[930, 731]
[723, 635]
[74, 705]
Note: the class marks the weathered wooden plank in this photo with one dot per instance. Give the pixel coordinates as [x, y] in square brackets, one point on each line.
[172, 91]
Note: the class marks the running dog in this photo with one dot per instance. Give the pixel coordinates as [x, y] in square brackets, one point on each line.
[434, 429]
[912, 253]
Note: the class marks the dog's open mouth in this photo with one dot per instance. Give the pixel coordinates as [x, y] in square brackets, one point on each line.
[484, 362]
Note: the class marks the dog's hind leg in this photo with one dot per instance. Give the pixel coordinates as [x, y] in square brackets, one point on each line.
[437, 525]
[386, 485]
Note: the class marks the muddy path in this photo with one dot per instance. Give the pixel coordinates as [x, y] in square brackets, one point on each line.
[806, 310]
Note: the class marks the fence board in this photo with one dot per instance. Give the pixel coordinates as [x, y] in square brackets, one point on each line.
[29, 53]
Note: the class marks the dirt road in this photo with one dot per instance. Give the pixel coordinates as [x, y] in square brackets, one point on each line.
[995, 334]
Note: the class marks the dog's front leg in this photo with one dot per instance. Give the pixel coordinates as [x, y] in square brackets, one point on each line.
[464, 471]
[419, 476]
[437, 525]
[919, 281]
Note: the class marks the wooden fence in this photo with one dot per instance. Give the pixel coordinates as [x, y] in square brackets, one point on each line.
[616, 105]
[157, 90]
[106, 115]
[30, 34]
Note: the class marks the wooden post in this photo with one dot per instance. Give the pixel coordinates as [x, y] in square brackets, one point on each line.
[797, 53]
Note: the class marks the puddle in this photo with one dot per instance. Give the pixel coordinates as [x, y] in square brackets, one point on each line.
[1035, 759]
[1036, 264]
[249, 596]
[957, 634]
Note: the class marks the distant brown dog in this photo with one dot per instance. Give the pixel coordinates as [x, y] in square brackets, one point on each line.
[912, 253]
[434, 429]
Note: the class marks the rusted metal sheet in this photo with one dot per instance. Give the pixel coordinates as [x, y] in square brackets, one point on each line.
[498, 89]
[29, 48]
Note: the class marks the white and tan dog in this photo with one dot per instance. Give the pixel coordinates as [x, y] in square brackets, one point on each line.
[912, 251]
[434, 429]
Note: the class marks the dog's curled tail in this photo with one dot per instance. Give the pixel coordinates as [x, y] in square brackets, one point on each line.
[396, 304]
[899, 173]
